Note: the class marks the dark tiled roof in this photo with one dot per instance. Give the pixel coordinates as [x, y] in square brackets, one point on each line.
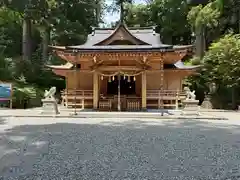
[147, 35]
[144, 34]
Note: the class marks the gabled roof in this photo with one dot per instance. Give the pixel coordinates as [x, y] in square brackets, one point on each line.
[124, 33]
[145, 38]
[142, 34]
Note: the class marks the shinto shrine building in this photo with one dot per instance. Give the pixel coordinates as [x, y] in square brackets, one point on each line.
[126, 68]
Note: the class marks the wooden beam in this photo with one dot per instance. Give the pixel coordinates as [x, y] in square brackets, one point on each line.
[118, 68]
[118, 54]
[172, 70]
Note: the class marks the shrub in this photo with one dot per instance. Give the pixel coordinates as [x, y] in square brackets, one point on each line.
[26, 96]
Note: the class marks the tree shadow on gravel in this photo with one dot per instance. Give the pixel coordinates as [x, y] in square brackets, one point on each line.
[2, 121]
[136, 149]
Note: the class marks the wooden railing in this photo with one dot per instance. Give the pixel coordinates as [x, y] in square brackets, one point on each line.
[164, 98]
[133, 105]
[155, 99]
[164, 94]
[79, 98]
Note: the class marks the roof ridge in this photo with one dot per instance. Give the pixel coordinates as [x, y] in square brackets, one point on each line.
[128, 27]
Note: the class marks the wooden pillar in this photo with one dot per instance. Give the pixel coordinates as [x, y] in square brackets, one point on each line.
[162, 83]
[95, 90]
[144, 91]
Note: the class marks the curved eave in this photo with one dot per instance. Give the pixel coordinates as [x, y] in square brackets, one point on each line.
[57, 47]
[181, 65]
[126, 29]
[66, 66]
[67, 55]
[61, 72]
[121, 48]
[183, 47]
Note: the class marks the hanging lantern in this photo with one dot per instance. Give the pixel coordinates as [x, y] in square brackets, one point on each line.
[129, 79]
[124, 77]
[101, 77]
[109, 79]
[134, 78]
[113, 78]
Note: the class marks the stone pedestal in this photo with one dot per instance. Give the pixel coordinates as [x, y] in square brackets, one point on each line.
[190, 106]
[206, 104]
[49, 106]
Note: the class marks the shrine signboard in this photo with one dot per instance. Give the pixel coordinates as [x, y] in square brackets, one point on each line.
[6, 93]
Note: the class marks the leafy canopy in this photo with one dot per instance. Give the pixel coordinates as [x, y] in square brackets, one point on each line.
[207, 15]
[223, 59]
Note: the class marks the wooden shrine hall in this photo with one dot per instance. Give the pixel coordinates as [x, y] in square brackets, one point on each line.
[124, 69]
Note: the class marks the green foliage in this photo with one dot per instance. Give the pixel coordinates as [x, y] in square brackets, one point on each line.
[222, 61]
[61, 20]
[116, 5]
[138, 15]
[10, 32]
[207, 16]
[195, 60]
[169, 17]
[25, 96]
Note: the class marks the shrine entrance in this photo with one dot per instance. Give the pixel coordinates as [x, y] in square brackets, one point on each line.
[127, 85]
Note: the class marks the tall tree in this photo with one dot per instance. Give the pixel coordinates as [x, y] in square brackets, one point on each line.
[169, 16]
[222, 63]
[202, 18]
[119, 6]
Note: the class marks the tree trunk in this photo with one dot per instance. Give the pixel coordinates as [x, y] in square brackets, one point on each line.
[239, 20]
[45, 43]
[26, 39]
[200, 42]
[234, 98]
[98, 11]
[121, 12]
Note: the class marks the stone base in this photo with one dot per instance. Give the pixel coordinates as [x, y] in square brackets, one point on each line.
[191, 107]
[50, 107]
[206, 104]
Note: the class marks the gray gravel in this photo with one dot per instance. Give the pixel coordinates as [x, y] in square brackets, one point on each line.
[119, 149]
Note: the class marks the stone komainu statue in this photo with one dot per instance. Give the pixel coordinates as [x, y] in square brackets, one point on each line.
[189, 94]
[50, 94]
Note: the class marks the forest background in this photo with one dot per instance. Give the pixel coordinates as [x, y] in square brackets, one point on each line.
[27, 27]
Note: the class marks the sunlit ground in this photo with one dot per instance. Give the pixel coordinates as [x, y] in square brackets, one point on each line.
[48, 148]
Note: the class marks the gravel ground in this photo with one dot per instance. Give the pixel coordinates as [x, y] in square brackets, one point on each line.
[122, 149]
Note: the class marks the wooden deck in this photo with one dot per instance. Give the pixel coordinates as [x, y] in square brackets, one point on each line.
[156, 99]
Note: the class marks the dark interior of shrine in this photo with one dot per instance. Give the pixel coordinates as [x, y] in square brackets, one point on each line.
[127, 85]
